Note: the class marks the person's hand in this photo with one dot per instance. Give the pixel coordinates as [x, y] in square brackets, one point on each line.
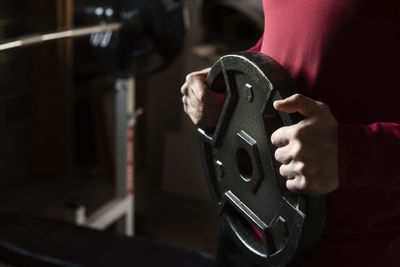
[308, 150]
[202, 105]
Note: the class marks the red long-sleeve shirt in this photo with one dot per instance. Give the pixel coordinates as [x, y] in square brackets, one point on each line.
[346, 53]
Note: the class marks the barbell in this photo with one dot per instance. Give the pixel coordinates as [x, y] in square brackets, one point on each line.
[34, 39]
[272, 225]
[126, 31]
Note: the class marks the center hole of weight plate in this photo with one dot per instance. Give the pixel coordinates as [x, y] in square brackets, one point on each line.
[244, 164]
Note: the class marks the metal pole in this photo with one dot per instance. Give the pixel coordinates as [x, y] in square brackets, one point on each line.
[124, 142]
[40, 38]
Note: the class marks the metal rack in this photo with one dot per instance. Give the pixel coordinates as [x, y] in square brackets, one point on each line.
[122, 205]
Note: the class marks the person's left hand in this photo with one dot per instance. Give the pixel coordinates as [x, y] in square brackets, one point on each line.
[308, 150]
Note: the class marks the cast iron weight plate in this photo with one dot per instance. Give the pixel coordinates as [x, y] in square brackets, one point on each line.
[240, 168]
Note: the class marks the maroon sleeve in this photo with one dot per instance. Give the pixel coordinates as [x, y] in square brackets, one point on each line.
[257, 46]
[370, 155]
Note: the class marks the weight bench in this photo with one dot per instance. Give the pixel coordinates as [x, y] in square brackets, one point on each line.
[28, 241]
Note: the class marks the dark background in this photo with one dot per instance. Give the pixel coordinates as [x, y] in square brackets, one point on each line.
[55, 141]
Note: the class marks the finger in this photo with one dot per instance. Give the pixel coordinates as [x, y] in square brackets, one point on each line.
[283, 154]
[282, 136]
[193, 101]
[204, 94]
[203, 72]
[297, 185]
[200, 110]
[298, 103]
[291, 170]
[287, 171]
[193, 114]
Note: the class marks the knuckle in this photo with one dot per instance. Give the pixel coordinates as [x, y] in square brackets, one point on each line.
[284, 171]
[196, 120]
[299, 131]
[300, 167]
[189, 77]
[297, 134]
[297, 97]
[277, 154]
[296, 151]
[277, 134]
[289, 185]
[201, 93]
[280, 137]
[322, 108]
[323, 105]
[302, 183]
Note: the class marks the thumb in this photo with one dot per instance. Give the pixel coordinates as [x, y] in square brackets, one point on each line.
[297, 103]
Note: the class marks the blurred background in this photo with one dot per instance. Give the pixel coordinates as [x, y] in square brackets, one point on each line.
[57, 111]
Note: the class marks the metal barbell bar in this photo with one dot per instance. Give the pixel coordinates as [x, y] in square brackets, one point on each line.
[38, 38]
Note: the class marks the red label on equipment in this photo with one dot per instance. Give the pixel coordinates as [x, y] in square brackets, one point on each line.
[130, 161]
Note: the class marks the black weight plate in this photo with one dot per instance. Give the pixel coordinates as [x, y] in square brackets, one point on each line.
[241, 171]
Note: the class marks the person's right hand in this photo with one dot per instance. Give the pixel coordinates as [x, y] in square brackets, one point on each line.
[202, 105]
